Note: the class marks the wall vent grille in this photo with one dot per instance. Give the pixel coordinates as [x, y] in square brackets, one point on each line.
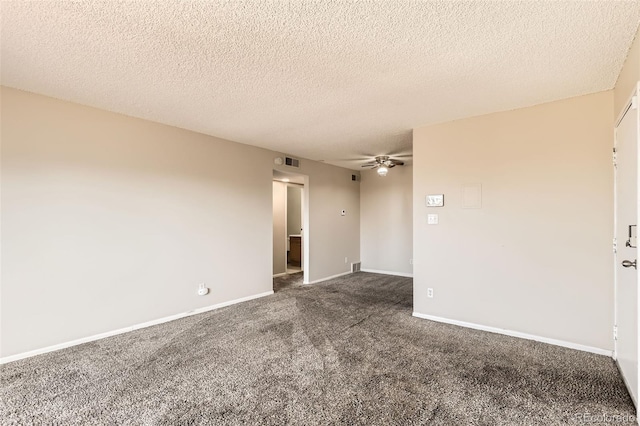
[292, 162]
[355, 267]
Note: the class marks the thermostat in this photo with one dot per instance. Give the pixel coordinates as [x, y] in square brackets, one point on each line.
[435, 200]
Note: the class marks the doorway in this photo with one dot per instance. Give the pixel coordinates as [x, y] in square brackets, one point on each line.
[294, 228]
[290, 217]
[626, 242]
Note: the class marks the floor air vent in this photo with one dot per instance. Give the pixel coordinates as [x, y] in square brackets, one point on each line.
[355, 267]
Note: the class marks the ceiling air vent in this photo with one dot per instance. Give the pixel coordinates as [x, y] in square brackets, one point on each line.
[293, 162]
[355, 178]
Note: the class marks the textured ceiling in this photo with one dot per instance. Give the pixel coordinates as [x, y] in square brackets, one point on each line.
[325, 80]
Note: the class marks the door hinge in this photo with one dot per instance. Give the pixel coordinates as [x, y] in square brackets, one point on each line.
[615, 157]
[615, 332]
[615, 245]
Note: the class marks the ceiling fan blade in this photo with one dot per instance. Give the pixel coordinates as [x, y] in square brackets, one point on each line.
[397, 162]
[347, 159]
[369, 164]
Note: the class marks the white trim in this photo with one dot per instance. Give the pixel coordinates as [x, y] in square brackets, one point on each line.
[398, 274]
[627, 105]
[306, 229]
[129, 328]
[279, 275]
[512, 333]
[329, 278]
[626, 383]
[614, 239]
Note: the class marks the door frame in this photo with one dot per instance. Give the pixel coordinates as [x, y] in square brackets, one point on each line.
[306, 262]
[633, 103]
[302, 217]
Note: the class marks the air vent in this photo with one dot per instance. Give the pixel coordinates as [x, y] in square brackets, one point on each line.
[355, 267]
[355, 178]
[292, 162]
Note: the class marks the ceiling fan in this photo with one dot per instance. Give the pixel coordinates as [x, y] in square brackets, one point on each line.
[383, 163]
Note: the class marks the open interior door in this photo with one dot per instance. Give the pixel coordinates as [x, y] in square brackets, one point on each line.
[626, 238]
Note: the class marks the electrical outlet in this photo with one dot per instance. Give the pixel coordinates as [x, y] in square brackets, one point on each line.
[430, 293]
[346, 260]
[410, 261]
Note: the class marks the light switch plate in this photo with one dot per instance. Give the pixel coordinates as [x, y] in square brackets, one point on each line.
[435, 200]
[432, 219]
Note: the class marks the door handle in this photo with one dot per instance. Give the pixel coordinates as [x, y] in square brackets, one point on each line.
[628, 243]
[628, 264]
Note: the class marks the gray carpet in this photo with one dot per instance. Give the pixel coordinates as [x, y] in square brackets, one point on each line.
[346, 351]
[287, 281]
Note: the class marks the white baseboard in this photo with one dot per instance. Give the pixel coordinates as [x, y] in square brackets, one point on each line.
[279, 275]
[398, 274]
[512, 333]
[328, 278]
[64, 345]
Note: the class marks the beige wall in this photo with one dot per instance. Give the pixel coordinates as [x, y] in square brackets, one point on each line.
[386, 226]
[279, 224]
[109, 221]
[628, 78]
[536, 257]
[331, 237]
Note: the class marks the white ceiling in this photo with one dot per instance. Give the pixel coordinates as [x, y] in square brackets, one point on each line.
[324, 80]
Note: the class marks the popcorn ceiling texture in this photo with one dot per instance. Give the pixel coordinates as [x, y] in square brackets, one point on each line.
[324, 80]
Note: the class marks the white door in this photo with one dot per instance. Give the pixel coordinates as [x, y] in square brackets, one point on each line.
[626, 291]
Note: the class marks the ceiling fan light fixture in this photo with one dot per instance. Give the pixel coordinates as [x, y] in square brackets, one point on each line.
[382, 163]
